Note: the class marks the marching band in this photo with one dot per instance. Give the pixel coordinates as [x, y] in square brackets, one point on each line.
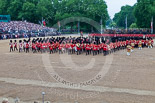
[79, 45]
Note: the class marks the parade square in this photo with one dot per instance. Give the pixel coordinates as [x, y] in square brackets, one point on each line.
[77, 51]
[130, 78]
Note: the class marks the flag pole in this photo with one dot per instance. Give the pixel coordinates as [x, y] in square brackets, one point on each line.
[101, 25]
[126, 22]
[59, 25]
[78, 27]
[152, 25]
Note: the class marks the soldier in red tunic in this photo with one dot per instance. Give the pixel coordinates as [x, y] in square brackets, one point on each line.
[61, 46]
[27, 47]
[41, 47]
[69, 48]
[105, 49]
[24, 45]
[20, 45]
[78, 46]
[94, 49]
[15, 46]
[34, 48]
[149, 43]
[11, 46]
[38, 46]
[51, 47]
[87, 48]
[152, 42]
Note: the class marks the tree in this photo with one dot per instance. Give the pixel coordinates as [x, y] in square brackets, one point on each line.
[4, 4]
[45, 10]
[133, 25]
[55, 10]
[28, 12]
[144, 11]
[126, 12]
[14, 9]
[93, 9]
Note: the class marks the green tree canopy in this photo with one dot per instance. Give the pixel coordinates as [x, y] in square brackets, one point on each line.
[144, 11]
[54, 10]
[120, 18]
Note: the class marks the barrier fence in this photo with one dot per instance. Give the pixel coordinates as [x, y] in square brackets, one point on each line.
[123, 35]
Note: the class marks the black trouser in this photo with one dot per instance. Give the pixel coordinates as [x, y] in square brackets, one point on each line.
[27, 50]
[11, 49]
[38, 48]
[115, 49]
[90, 52]
[60, 51]
[20, 49]
[78, 52]
[51, 51]
[87, 52]
[105, 53]
[94, 52]
[42, 50]
[34, 50]
[66, 50]
[73, 51]
[70, 51]
[98, 51]
[24, 49]
[54, 50]
[15, 48]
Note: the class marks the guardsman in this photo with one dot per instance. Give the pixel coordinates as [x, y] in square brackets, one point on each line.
[132, 45]
[51, 47]
[149, 43]
[20, 45]
[69, 48]
[94, 49]
[72, 46]
[128, 49]
[98, 48]
[24, 45]
[115, 46]
[41, 47]
[87, 48]
[11, 46]
[78, 48]
[61, 46]
[152, 42]
[38, 46]
[15, 45]
[140, 45]
[105, 49]
[34, 48]
[144, 43]
[111, 47]
[27, 47]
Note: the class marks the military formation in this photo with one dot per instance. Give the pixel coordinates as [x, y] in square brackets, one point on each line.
[80, 45]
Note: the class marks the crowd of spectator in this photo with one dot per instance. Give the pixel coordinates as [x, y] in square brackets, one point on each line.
[23, 29]
[17, 29]
[128, 31]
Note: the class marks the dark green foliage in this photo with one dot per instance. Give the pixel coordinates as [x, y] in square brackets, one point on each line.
[54, 10]
[120, 18]
[144, 11]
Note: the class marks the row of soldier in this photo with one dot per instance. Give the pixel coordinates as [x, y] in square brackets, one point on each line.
[79, 45]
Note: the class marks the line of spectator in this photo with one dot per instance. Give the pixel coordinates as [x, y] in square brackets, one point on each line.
[128, 31]
[17, 29]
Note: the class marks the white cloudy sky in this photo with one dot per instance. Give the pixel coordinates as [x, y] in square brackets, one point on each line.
[114, 6]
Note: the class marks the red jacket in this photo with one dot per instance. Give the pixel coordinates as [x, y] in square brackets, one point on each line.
[27, 45]
[105, 47]
[94, 47]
